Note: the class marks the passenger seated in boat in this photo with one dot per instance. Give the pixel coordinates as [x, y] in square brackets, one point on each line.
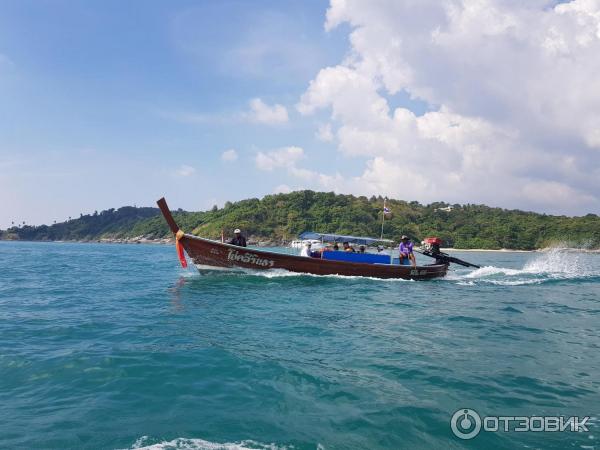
[361, 249]
[347, 247]
[406, 251]
[319, 252]
[335, 247]
[306, 250]
[238, 240]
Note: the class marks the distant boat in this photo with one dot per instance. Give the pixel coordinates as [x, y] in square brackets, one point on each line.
[299, 243]
[209, 255]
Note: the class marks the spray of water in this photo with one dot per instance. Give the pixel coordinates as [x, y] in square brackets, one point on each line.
[556, 263]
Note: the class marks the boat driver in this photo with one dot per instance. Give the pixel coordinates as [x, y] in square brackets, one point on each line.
[238, 240]
[406, 251]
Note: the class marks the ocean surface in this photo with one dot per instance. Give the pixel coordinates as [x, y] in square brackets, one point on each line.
[107, 346]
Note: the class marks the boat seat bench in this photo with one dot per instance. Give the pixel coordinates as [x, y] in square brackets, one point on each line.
[367, 258]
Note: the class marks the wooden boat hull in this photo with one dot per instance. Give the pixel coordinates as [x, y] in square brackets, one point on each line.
[207, 254]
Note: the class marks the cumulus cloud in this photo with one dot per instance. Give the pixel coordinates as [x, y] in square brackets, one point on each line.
[282, 189]
[548, 192]
[229, 155]
[185, 171]
[512, 91]
[260, 112]
[324, 133]
[286, 157]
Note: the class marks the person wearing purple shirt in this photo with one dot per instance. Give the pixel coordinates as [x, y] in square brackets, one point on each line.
[406, 251]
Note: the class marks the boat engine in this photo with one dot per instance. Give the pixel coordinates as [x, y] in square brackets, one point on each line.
[432, 244]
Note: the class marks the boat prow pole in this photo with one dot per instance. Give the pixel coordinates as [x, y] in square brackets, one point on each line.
[166, 212]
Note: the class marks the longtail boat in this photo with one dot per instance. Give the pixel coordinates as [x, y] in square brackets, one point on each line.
[208, 255]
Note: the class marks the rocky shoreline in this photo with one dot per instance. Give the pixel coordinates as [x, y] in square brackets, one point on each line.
[258, 242]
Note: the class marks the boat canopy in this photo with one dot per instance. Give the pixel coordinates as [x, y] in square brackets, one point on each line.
[341, 238]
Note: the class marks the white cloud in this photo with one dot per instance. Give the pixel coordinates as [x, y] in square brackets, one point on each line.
[546, 193]
[512, 89]
[257, 112]
[185, 171]
[282, 189]
[286, 157]
[324, 133]
[260, 112]
[229, 155]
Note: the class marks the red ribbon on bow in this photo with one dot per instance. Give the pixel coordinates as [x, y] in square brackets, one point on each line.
[179, 248]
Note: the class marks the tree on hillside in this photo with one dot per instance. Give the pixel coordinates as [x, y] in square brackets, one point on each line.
[282, 216]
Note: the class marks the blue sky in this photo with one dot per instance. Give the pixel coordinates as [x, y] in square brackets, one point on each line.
[95, 97]
[111, 103]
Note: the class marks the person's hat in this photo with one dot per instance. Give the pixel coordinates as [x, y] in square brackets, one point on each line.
[404, 237]
[237, 230]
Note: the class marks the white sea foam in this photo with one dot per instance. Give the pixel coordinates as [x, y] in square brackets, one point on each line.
[278, 273]
[201, 444]
[273, 273]
[282, 273]
[552, 264]
[492, 270]
[187, 273]
[559, 261]
[521, 282]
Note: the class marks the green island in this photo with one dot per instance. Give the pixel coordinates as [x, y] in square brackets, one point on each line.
[279, 218]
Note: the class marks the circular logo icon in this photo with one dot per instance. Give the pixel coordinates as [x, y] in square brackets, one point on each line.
[465, 423]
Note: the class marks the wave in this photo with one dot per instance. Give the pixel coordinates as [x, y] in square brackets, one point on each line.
[143, 443]
[279, 273]
[282, 273]
[553, 264]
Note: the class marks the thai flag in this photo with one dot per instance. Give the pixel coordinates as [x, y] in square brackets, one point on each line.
[386, 210]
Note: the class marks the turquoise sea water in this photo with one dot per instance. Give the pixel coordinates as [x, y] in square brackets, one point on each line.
[115, 346]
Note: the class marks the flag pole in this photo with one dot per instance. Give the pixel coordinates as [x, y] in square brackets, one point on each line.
[382, 219]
